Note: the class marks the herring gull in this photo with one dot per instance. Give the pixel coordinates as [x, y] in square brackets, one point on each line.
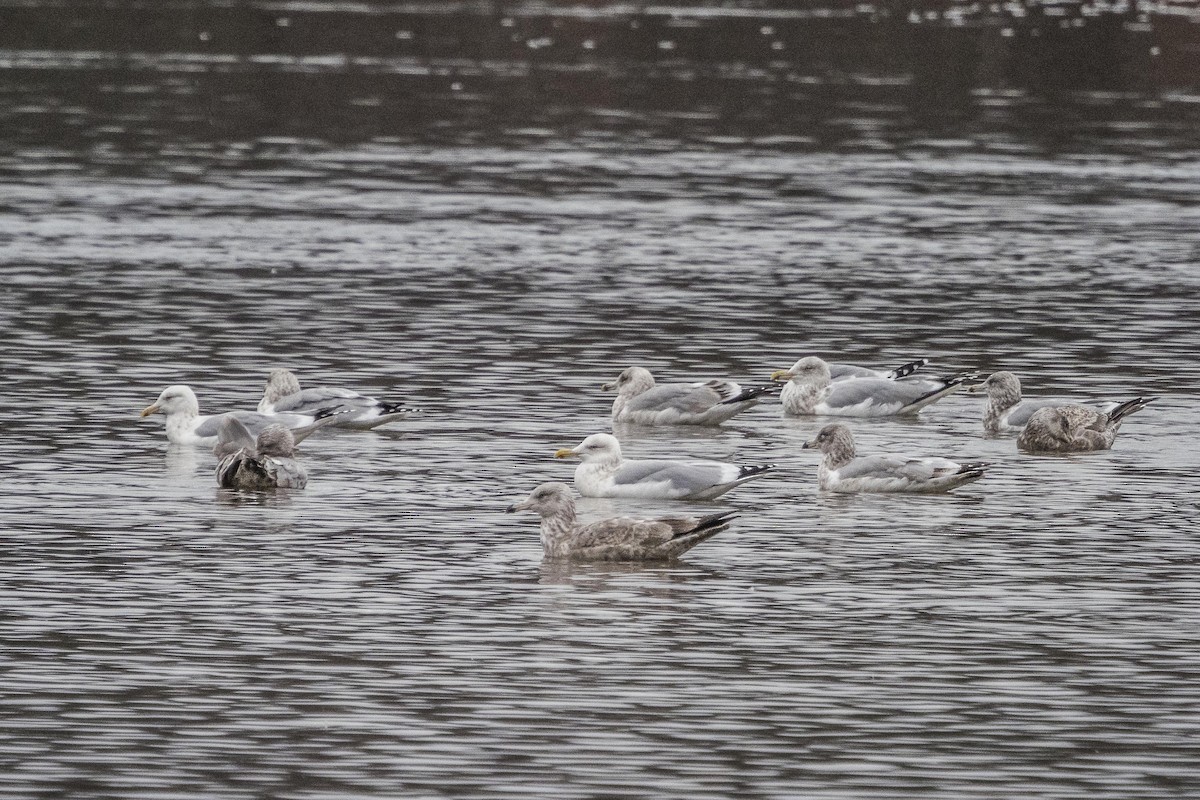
[810, 389]
[1076, 429]
[1008, 411]
[842, 471]
[283, 394]
[186, 425]
[641, 401]
[604, 473]
[268, 462]
[615, 539]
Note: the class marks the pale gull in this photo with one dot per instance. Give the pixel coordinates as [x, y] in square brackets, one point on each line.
[604, 473]
[1006, 410]
[1076, 429]
[810, 389]
[283, 394]
[615, 539]
[186, 425]
[268, 462]
[842, 471]
[641, 401]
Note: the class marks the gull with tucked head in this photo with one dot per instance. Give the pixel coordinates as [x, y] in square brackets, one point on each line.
[643, 402]
[283, 394]
[616, 539]
[186, 425]
[842, 470]
[604, 473]
[1076, 429]
[268, 462]
[810, 389]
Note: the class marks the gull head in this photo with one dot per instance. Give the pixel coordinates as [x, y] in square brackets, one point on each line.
[280, 384]
[174, 400]
[597, 447]
[277, 441]
[832, 440]
[634, 380]
[1003, 388]
[807, 370]
[549, 499]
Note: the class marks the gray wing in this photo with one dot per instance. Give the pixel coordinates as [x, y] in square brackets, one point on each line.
[253, 421]
[232, 436]
[840, 372]
[880, 390]
[884, 466]
[308, 400]
[1020, 415]
[684, 397]
[692, 476]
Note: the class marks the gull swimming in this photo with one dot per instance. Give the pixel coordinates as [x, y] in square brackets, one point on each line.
[1076, 429]
[604, 473]
[1007, 410]
[810, 389]
[186, 425]
[268, 462]
[842, 471]
[283, 394]
[641, 401]
[615, 539]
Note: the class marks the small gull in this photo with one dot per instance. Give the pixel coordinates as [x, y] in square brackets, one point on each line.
[283, 394]
[641, 401]
[186, 425]
[810, 389]
[1007, 410]
[842, 471]
[604, 473]
[615, 539]
[268, 462]
[1076, 429]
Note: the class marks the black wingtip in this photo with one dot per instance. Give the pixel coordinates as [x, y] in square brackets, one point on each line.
[753, 392]
[755, 469]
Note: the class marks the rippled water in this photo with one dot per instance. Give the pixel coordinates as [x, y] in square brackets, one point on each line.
[389, 631]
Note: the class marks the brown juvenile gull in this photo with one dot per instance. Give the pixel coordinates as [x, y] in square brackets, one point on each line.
[283, 394]
[842, 471]
[616, 539]
[268, 462]
[810, 389]
[641, 401]
[186, 425]
[1007, 411]
[604, 473]
[1076, 429]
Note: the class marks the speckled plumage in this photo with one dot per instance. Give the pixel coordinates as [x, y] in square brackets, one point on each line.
[643, 402]
[1076, 429]
[261, 464]
[615, 539]
[842, 470]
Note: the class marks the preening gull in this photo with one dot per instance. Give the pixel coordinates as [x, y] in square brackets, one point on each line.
[842, 471]
[1007, 410]
[810, 389]
[186, 425]
[268, 462]
[604, 473]
[283, 394]
[615, 539]
[641, 401]
[1076, 429]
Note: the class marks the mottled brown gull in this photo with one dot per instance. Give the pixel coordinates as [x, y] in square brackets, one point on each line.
[642, 401]
[811, 390]
[283, 394]
[615, 539]
[843, 471]
[1007, 410]
[1076, 429]
[186, 425]
[604, 473]
[250, 464]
